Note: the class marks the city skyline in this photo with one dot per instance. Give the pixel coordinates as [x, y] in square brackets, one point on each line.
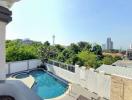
[72, 21]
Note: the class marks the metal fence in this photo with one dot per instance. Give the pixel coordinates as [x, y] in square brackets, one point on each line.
[68, 67]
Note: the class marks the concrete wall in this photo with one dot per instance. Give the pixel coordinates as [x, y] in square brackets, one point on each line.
[12, 67]
[18, 90]
[34, 63]
[95, 82]
[2, 49]
[121, 88]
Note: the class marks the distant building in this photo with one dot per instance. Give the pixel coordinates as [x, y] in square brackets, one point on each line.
[129, 54]
[103, 46]
[109, 44]
[123, 63]
[115, 70]
[27, 41]
[130, 47]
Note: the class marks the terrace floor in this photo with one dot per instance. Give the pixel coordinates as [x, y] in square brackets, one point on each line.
[76, 91]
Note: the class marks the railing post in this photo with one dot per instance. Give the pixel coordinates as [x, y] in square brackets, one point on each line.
[52, 62]
[27, 64]
[9, 69]
[67, 66]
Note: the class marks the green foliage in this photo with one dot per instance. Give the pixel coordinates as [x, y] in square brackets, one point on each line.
[43, 53]
[46, 43]
[84, 46]
[16, 51]
[108, 60]
[97, 49]
[88, 58]
[65, 55]
[72, 60]
[59, 48]
[117, 58]
[73, 48]
[81, 53]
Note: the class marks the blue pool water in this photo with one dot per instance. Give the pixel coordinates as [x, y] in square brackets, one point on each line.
[46, 86]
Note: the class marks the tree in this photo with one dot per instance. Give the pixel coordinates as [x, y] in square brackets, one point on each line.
[65, 55]
[44, 53]
[108, 60]
[97, 49]
[59, 48]
[46, 43]
[79, 53]
[84, 46]
[88, 58]
[72, 60]
[16, 51]
[117, 58]
[74, 48]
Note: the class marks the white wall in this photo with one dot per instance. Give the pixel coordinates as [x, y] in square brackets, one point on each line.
[95, 82]
[34, 63]
[2, 49]
[12, 67]
[6, 68]
[18, 90]
[18, 66]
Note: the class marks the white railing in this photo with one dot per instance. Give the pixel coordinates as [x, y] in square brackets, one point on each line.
[68, 67]
[94, 81]
[12, 67]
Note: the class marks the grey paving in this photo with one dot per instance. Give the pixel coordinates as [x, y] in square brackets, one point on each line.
[76, 91]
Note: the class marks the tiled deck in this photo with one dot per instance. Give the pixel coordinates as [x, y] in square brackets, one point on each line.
[76, 91]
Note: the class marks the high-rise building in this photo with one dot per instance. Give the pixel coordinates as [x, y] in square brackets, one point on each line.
[129, 52]
[103, 46]
[109, 44]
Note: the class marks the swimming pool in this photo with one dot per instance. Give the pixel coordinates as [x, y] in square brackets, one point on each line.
[46, 85]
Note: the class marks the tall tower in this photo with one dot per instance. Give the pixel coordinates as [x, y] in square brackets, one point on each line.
[109, 44]
[53, 39]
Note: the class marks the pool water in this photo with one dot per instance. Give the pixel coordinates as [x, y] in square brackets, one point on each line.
[46, 86]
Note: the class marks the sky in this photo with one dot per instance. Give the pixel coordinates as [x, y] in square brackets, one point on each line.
[73, 21]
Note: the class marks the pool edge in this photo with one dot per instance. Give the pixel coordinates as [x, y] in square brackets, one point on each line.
[64, 94]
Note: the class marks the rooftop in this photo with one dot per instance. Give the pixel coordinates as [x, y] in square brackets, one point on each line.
[123, 63]
[121, 71]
